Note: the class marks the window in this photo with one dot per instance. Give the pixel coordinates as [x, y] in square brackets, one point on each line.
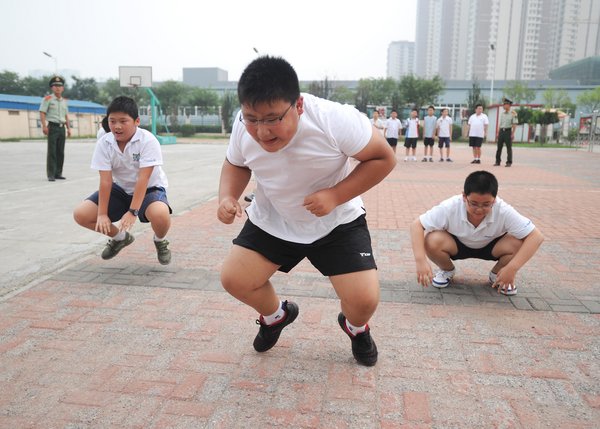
[13, 113]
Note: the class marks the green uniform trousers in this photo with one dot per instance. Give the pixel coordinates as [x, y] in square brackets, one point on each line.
[56, 150]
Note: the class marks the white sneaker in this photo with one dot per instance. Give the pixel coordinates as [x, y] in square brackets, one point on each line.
[510, 291]
[443, 278]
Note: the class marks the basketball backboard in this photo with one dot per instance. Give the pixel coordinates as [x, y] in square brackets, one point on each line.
[135, 77]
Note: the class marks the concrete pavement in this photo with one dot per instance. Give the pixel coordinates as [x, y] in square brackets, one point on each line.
[130, 343]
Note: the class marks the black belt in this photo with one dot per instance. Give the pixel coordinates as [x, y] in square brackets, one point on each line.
[55, 124]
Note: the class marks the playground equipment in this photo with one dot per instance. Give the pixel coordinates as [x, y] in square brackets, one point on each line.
[141, 77]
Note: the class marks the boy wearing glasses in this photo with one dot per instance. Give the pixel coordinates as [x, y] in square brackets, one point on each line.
[307, 202]
[476, 224]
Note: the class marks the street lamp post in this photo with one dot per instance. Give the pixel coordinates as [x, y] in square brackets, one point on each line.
[492, 47]
[55, 61]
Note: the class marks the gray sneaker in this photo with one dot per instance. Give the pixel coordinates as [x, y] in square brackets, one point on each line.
[113, 247]
[162, 252]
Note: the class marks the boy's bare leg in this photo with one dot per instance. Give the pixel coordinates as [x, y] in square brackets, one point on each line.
[86, 215]
[504, 250]
[359, 295]
[160, 219]
[439, 245]
[245, 275]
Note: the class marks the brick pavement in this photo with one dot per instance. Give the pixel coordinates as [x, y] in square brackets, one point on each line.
[130, 343]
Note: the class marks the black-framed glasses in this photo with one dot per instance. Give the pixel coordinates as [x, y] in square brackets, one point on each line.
[485, 206]
[269, 122]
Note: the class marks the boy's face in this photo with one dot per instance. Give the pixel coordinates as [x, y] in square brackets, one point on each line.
[413, 114]
[122, 126]
[478, 205]
[479, 110]
[273, 137]
[445, 112]
[394, 115]
[430, 112]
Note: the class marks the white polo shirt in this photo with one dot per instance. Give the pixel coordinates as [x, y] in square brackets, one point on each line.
[444, 126]
[451, 216]
[477, 123]
[412, 127]
[316, 158]
[143, 150]
[392, 128]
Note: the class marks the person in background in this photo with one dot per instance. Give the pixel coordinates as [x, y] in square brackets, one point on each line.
[393, 130]
[507, 122]
[477, 128]
[443, 131]
[429, 123]
[54, 116]
[411, 136]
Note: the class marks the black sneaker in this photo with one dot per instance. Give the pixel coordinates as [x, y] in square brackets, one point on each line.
[113, 247]
[364, 349]
[269, 334]
[162, 252]
[474, 161]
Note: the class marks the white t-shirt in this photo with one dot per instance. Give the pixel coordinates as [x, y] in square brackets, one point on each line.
[379, 124]
[392, 128]
[412, 128]
[100, 133]
[316, 158]
[143, 150]
[477, 123]
[444, 126]
[451, 216]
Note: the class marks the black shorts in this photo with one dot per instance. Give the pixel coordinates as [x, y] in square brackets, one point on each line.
[410, 142]
[428, 141]
[120, 201]
[465, 252]
[392, 141]
[443, 141]
[346, 249]
[475, 141]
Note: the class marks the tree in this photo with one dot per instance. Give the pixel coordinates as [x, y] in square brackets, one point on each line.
[518, 91]
[320, 89]
[84, 89]
[229, 103]
[201, 97]
[544, 118]
[10, 83]
[112, 89]
[419, 91]
[589, 100]
[474, 97]
[555, 98]
[342, 94]
[37, 86]
[171, 95]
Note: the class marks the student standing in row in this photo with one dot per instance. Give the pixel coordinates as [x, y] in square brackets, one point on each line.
[443, 131]
[429, 123]
[393, 129]
[477, 131]
[412, 135]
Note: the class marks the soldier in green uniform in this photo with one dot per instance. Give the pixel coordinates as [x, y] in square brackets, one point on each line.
[55, 118]
[507, 122]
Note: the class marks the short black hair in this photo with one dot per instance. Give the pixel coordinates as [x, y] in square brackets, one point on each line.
[267, 80]
[415, 110]
[478, 104]
[446, 109]
[125, 105]
[393, 111]
[430, 107]
[481, 182]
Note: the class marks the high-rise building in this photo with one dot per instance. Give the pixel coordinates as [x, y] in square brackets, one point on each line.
[504, 39]
[400, 59]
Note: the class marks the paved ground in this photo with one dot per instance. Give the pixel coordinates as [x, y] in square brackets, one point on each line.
[132, 344]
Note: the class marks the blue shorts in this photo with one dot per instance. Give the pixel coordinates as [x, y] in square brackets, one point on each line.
[346, 249]
[428, 141]
[120, 201]
[484, 253]
[410, 142]
[443, 141]
[475, 141]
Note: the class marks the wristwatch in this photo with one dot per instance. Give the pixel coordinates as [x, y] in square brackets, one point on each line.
[133, 211]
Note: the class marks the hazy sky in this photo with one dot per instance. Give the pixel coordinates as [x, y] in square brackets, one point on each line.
[340, 39]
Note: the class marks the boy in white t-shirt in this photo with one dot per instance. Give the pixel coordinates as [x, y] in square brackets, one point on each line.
[412, 135]
[307, 202]
[443, 131]
[476, 224]
[393, 129]
[477, 128]
[132, 183]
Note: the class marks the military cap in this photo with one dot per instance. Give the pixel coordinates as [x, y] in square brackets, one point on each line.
[506, 101]
[57, 80]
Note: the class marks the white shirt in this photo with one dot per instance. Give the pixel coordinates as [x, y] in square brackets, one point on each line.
[143, 150]
[451, 216]
[477, 123]
[316, 158]
[392, 128]
[100, 133]
[444, 126]
[379, 124]
[412, 128]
